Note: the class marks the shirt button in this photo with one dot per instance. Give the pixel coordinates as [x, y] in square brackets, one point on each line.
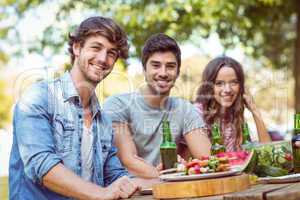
[79, 116]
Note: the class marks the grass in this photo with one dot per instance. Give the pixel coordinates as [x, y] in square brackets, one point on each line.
[4, 188]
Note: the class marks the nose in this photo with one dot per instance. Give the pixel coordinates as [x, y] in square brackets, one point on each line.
[101, 57]
[227, 87]
[163, 71]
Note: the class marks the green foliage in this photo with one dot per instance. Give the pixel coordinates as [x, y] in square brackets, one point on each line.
[3, 58]
[266, 28]
[3, 188]
[6, 104]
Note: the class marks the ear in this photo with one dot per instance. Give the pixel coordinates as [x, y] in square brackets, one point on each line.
[144, 70]
[76, 49]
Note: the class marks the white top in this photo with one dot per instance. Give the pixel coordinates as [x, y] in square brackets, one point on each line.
[87, 153]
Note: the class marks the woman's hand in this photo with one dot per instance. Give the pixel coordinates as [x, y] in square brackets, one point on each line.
[260, 125]
[249, 101]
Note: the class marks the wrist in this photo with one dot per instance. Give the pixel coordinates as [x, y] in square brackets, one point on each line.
[95, 192]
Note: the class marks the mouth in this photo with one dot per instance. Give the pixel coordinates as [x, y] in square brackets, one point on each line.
[98, 67]
[228, 98]
[163, 83]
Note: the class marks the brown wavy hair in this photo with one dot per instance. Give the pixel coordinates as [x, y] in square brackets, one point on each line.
[103, 26]
[205, 93]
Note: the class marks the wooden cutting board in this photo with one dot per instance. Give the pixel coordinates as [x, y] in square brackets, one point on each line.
[198, 188]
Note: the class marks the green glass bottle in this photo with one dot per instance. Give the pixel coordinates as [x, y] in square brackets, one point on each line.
[247, 144]
[296, 144]
[217, 141]
[168, 149]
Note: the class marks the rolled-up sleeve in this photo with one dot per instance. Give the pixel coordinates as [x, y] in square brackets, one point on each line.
[113, 168]
[33, 132]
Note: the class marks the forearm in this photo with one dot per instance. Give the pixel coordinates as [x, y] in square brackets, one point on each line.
[198, 143]
[139, 167]
[63, 181]
[260, 127]
[203, 151]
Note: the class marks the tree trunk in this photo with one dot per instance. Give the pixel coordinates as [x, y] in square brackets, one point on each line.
[297, 60]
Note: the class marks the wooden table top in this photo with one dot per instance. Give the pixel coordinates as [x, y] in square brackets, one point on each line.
[288, 191]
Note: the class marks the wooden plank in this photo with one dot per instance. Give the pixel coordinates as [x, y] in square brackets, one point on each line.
[142, 197]
[150, 197]
[256, 192]
[200, 188]
[292, 192]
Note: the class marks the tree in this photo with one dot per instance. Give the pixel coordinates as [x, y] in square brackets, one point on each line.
[268, 30]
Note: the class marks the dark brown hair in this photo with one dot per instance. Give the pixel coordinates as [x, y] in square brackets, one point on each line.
[105, 27]
[160, 43]
[205, 93]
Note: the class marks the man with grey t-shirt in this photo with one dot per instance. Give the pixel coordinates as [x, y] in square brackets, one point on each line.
[137, 116]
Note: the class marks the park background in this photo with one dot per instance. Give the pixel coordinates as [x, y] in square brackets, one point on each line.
[263, 35]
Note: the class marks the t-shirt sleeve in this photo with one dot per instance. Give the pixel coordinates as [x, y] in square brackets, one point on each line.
[192, 118]
[117, 109]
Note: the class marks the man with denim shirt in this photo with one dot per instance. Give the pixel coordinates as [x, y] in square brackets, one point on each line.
[62, 145]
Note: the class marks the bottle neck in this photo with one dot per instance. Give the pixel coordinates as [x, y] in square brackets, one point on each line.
[297, 124]
[216, 135]
[246, 133]
[166, 131]
[167, 137]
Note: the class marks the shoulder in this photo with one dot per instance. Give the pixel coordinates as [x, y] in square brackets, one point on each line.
[120, 99]
[181, 103]
[199, 107]
[35, 93]
[106, 119]
[34, 98]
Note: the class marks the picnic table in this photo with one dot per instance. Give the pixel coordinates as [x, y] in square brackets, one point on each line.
[287, 191]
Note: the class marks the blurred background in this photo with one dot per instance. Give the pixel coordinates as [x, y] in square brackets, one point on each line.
[263, 35]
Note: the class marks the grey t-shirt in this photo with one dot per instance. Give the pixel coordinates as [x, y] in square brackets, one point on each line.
[145, 121]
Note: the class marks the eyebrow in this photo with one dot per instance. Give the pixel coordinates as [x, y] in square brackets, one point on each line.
[158, 62]
[154, 62]
[171, 63]
[235, 79]
[100, 44]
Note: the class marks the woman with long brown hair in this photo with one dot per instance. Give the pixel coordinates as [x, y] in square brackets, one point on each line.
[221, 98]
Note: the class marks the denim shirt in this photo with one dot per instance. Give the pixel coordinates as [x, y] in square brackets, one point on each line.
[47, 129]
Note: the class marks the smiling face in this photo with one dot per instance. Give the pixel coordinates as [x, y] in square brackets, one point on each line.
[161, 72]
[95, 58]
[226, 87]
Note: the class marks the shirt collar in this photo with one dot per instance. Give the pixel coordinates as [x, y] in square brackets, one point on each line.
[95, 106]
[68, 88]
[69, 91]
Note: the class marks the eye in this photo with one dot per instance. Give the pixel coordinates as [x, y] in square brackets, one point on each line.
[219, 83]
[113, 54]
[171, 67]
[156, 65]
[234, 82]
[96, 48]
